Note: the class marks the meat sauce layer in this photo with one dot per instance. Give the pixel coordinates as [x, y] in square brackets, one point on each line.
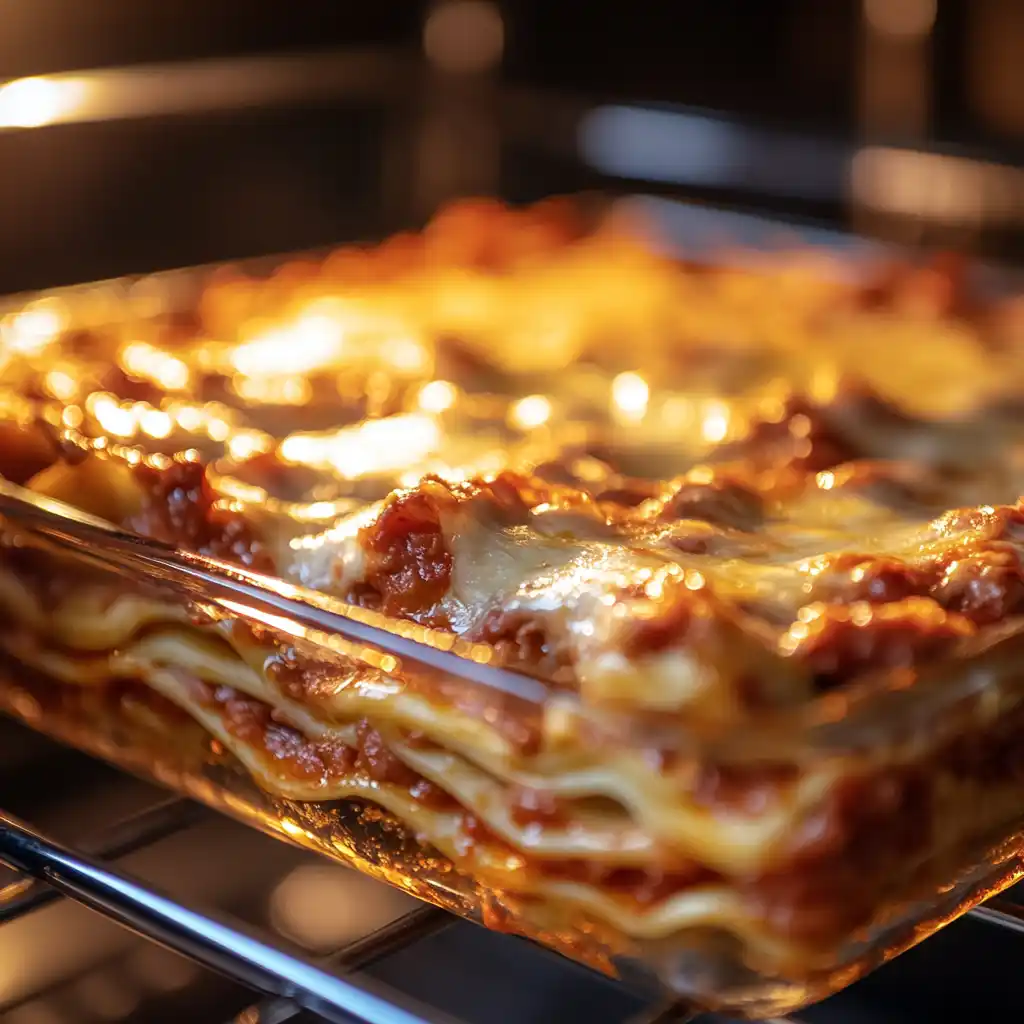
[860, 842]
[853, 849]
[181, 508]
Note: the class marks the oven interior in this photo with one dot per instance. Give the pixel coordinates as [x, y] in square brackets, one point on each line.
[140, 168]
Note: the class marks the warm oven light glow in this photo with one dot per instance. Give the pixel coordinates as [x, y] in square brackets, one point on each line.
[273, 390]
[491, 340]
[369, 448]
[140, 359]
[437, 396]
[715, 424]
[61, 384]
[34, 102]
[33, 329]
[301, 348]
[530, 412]
[630, 395]
[111, 416]
[330, 335]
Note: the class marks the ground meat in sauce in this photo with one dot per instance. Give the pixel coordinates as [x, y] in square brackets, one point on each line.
[865, 831]
[985, 588]
[255, 723]
[863, 825]
[696, 537]
[408, 563]
[180, 507]
[25, 452]
[535, 806]
[801, 436]
[837, 642]
[899, 486]
[477, 831]
[251, 722]
[739, 788]
[520, 723]
[523, 643]
[309, 680]
[992, 524]
[560, 471]
[378, 761]
[432, 796]
[315, 680]
[682, 616]
[625, 492]
[48, 577]
[645, 886]
[868, 828]
[855, 577]
[984, 584]
[993, 758]
[812, 437]
[864, 828]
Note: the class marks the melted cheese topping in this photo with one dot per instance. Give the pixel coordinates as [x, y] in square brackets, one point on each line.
[585, 585]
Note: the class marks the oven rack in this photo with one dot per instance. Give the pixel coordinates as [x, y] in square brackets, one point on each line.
[288, 981]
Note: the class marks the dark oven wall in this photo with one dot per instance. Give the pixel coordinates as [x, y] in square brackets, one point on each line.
[347, 154]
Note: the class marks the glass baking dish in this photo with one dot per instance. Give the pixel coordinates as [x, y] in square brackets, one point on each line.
[865, 758]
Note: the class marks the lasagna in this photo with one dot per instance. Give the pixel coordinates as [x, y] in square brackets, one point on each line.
[752, 531]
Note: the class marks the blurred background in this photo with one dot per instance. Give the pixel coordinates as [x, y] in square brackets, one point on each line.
[140, 135]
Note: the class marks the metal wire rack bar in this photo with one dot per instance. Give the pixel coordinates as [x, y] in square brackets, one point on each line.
[391, 938]
[125, 837]
[1001, 912]
[211, 941]
[44, 882]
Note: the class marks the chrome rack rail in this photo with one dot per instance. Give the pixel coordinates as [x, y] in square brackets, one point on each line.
[50, 870]
[289, 981]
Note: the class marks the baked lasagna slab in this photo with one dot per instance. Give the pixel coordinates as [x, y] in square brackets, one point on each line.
[755, 531]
